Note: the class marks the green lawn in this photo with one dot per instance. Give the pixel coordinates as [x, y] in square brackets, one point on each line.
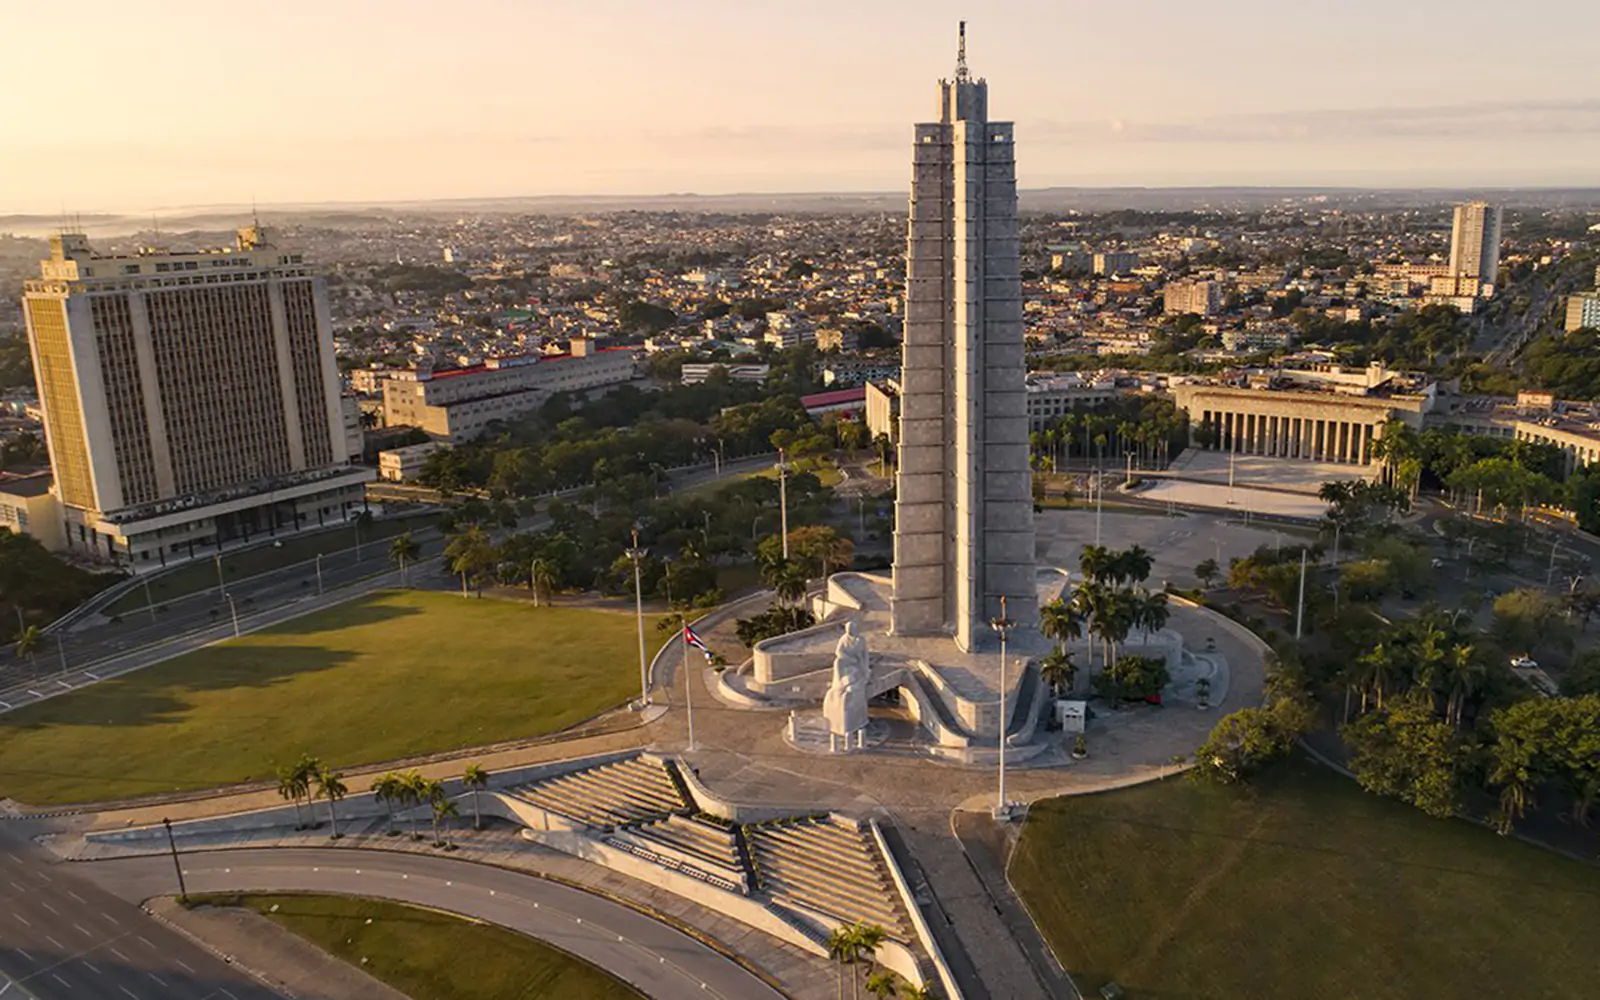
[202, 572]
[429, 955]
[391, 675]
[1302, 886]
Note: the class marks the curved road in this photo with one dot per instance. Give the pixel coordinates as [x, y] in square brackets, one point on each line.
[663, 962]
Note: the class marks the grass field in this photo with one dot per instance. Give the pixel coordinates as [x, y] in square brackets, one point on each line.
[202, 573]
[435, 956]
[1302, 886]
[391, 675]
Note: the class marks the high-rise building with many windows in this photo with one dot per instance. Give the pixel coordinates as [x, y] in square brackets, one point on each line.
[190, 398]
[1475, 242]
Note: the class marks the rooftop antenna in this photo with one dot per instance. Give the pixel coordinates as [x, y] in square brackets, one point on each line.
[962, 75]
[255, 215]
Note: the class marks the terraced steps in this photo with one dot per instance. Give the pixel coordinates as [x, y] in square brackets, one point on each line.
[609, 795]
[821, 866]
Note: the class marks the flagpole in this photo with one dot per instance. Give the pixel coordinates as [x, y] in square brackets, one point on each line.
[688, 682]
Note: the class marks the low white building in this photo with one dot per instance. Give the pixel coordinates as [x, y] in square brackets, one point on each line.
[402, 465]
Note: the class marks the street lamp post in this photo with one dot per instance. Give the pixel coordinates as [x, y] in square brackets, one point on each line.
[319, 574]
[688, 678]
[637, 554]
[1002, 625]
[222, 584]
[149, 602]
[233, 609]
[783, 501]
[183, 890]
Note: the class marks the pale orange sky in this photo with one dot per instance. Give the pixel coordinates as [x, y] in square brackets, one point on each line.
[136, 107]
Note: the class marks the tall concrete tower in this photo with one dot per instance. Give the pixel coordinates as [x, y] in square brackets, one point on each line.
[1475, 241]
[964, 509]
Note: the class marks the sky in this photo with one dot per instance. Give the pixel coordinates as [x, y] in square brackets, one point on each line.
[145, 107]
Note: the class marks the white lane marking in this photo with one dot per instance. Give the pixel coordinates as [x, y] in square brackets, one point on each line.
[82, 930]
[185, 966]
[49, 907]
[4, 987]
[92, 966]
[63, 982]
[157, 978]
[79, 898]
[58, 944]
[114, 920]
[129, 992]
[119, 954]
[24, 954]
[22, 918]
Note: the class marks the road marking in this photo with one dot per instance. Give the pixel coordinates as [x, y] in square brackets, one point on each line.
[7, 706]
[129, 992]
[82, 931]
[4, 987]
[63, 982]
[157, 978]
[91, 965]
[24, 954]
[64, 684]
[20, 916]
[119, 954]
[185, 966]
[49, 907]
[114, 920]
[79, 898]
[35, 693]
[142, 941]
[53, 941]
[94, 675]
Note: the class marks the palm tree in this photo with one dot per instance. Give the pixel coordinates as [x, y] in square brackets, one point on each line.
[541, 579]
[443, 809]
[1376, 668]
[390, 789]
[1061, 621]
[471, 554]
[475, 778]
[432, 792]
[404, 551]
[883, 984]
[842, 949]
[867, 938]
[1095, 562]
[913, 992]
[1463, 673]
[28, 640]
[1058, 670]
[416, 793]
[331, 786]
[289, 791]
[301, 775]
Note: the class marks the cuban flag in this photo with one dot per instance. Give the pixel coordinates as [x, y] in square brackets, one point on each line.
[693, 639]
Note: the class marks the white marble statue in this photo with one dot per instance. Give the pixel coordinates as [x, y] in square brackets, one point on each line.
[845, 706]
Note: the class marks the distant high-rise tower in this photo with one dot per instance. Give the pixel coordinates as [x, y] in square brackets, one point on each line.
[964, 533]
[1475, 242]
[189, 398]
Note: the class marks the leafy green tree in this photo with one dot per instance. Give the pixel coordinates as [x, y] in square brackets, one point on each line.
[471, 555]
[1058, 671]
[1532, 621]
[1405, 752]
[1207, 572]
[28, 641]
[1242, 743]
[404, 551]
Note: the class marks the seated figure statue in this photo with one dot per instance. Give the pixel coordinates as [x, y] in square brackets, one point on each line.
[845, 705]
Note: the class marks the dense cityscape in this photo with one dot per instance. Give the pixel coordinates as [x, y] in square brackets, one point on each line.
[991, 592]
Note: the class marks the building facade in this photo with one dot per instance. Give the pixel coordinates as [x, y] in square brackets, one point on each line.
[190, 399]
[457, 405]
[964, 536]
[1475, 242]
[1200, 298]
[1583, 312]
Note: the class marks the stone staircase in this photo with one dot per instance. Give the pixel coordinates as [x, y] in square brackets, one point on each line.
[637, 790]
[692, 843]
[823, 868]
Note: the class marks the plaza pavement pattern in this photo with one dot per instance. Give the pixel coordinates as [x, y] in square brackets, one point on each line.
[741, 755]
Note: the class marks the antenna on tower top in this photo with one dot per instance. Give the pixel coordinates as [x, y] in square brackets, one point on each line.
[961, 55]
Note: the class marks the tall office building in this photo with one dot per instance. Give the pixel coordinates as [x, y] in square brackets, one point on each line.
[1475, 242]
[189, 398]
[964, 514]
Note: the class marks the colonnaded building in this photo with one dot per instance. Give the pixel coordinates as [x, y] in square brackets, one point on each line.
[1328, 413]
[189, 398]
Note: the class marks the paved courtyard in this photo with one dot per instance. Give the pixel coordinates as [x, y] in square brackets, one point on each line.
[1294, 474]
[1177, 544]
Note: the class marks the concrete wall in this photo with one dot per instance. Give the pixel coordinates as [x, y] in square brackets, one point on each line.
[947, 977]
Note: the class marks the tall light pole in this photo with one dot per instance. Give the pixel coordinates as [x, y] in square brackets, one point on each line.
[1002, 625]
[637, 554]
[319, 574]
[233, 609]
[149, 602]
[783, 501]
[183, 890]
[688, 678]
[222, 584]
[1300, 610]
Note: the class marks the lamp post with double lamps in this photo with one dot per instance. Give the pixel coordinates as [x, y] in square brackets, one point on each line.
[1002, 625]
[637, 554]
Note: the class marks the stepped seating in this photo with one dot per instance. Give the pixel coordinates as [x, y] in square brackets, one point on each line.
[824, 867]
[693, 838]
[609, 795]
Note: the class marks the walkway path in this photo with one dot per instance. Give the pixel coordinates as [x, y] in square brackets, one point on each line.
[665, 963]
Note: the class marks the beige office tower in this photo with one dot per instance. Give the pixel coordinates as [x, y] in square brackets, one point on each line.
[1475, 242]
[190, 399]
[964, 514]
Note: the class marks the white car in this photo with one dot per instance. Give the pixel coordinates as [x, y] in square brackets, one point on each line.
[1524, 663]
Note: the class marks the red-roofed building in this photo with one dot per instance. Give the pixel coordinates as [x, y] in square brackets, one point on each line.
[843, 401]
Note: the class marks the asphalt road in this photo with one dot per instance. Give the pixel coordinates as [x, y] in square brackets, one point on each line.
[63, 937]
[661, 961]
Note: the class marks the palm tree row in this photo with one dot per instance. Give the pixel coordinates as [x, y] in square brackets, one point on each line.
[1147, 436]
[1429, 653]
[1109, 603]
[851, 945]
[309, 779]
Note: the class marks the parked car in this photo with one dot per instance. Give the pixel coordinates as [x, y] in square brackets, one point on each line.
[1524, 663]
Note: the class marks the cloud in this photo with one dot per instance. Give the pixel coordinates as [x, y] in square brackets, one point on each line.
[1486, 120]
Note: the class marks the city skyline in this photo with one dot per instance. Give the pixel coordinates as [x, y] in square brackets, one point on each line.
[510, 102]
